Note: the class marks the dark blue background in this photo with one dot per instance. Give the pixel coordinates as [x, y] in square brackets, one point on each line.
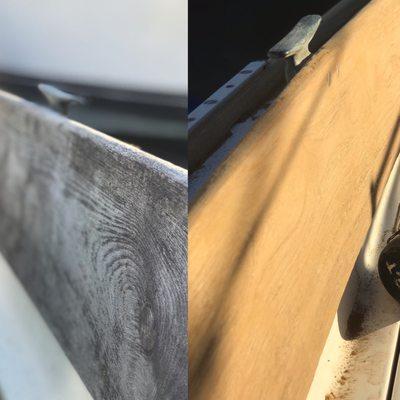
[225, 35]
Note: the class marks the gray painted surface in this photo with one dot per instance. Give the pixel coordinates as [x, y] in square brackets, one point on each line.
[96, 232]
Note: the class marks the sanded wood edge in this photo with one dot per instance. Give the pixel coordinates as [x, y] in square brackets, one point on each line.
[276, 231]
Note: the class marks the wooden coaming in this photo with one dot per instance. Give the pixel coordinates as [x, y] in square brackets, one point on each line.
[274, 235]
[96, 231]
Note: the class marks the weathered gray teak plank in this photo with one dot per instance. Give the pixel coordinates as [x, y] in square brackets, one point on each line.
[96, 231]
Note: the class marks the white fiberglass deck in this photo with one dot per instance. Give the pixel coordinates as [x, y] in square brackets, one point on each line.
[32, 364]
[359, 360]
[133, 44]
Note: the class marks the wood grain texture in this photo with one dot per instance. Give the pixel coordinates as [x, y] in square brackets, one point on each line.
[274, 235]
[96, 231]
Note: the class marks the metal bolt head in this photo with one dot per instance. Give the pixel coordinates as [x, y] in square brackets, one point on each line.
[389, 267]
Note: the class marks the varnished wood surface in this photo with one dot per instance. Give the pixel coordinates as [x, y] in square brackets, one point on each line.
[274, 235]
[96, 232]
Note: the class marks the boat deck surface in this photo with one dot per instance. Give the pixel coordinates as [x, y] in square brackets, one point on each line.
[32, 364]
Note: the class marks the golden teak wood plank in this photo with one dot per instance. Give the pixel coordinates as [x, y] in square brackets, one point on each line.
[274, 236]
